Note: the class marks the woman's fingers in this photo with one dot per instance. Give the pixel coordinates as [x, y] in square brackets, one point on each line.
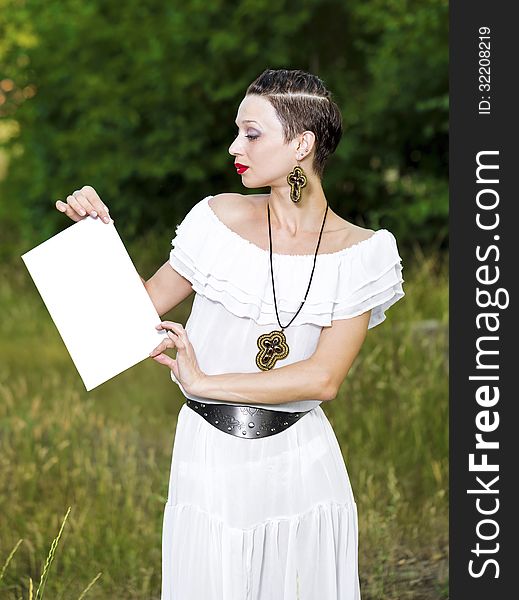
[178, 333]
[65, 208]
[74, 203]
[185, 365]
[177, 338]
[164, 359]
[164, 345]
[84, 202]
[175, 327]
[95, 201]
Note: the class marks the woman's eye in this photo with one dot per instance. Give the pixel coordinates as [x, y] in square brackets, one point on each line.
[249, 136]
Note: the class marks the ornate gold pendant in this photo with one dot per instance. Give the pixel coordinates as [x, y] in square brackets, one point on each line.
[272, 347]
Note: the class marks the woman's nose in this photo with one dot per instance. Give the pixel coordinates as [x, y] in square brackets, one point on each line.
[234, 148]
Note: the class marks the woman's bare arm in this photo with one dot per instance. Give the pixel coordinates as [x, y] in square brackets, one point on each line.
[315, 378]
[167, 288]
[302, 380]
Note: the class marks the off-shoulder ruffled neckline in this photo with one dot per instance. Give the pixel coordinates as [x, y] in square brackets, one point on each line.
[247, 242]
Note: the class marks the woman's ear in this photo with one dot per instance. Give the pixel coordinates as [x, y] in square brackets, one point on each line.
[306, 142]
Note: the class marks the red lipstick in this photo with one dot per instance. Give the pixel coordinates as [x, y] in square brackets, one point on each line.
[240, 168]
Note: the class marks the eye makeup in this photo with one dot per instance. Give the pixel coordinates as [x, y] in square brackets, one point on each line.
[250, 136]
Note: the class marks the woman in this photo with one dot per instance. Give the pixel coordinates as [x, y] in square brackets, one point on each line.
[260, 505]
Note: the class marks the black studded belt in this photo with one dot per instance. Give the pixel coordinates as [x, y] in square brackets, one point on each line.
[246, 421]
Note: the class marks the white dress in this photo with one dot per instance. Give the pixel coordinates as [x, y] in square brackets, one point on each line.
[272, 518]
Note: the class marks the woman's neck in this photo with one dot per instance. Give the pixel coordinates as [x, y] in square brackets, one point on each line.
[305, 216]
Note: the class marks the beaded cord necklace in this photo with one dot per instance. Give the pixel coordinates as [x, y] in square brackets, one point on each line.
[273, 346]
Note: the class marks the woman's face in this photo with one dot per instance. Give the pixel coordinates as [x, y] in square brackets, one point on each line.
[260, 146]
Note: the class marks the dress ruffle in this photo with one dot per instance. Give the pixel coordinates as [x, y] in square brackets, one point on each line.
[229, 269]
[268, 560]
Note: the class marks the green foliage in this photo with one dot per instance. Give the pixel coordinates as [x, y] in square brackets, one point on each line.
[139, 101]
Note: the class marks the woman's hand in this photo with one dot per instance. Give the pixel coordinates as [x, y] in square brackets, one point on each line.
[184, 366]
[82, 203]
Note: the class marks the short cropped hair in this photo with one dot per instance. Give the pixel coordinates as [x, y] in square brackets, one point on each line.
[302, 103]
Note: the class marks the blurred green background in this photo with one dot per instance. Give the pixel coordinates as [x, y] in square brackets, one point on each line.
[139, 100]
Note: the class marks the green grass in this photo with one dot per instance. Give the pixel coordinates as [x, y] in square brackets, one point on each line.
[106, 453]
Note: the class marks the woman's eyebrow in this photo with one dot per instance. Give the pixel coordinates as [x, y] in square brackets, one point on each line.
[247, 121]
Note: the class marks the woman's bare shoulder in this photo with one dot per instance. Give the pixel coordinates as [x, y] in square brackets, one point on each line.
[232, 207]
[240, 212]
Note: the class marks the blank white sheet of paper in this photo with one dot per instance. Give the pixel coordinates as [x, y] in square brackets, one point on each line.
[96, 299]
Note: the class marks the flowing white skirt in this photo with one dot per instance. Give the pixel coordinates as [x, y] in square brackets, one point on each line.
[272, 518]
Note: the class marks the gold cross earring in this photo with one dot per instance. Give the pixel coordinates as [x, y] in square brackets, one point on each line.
[297, 181]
